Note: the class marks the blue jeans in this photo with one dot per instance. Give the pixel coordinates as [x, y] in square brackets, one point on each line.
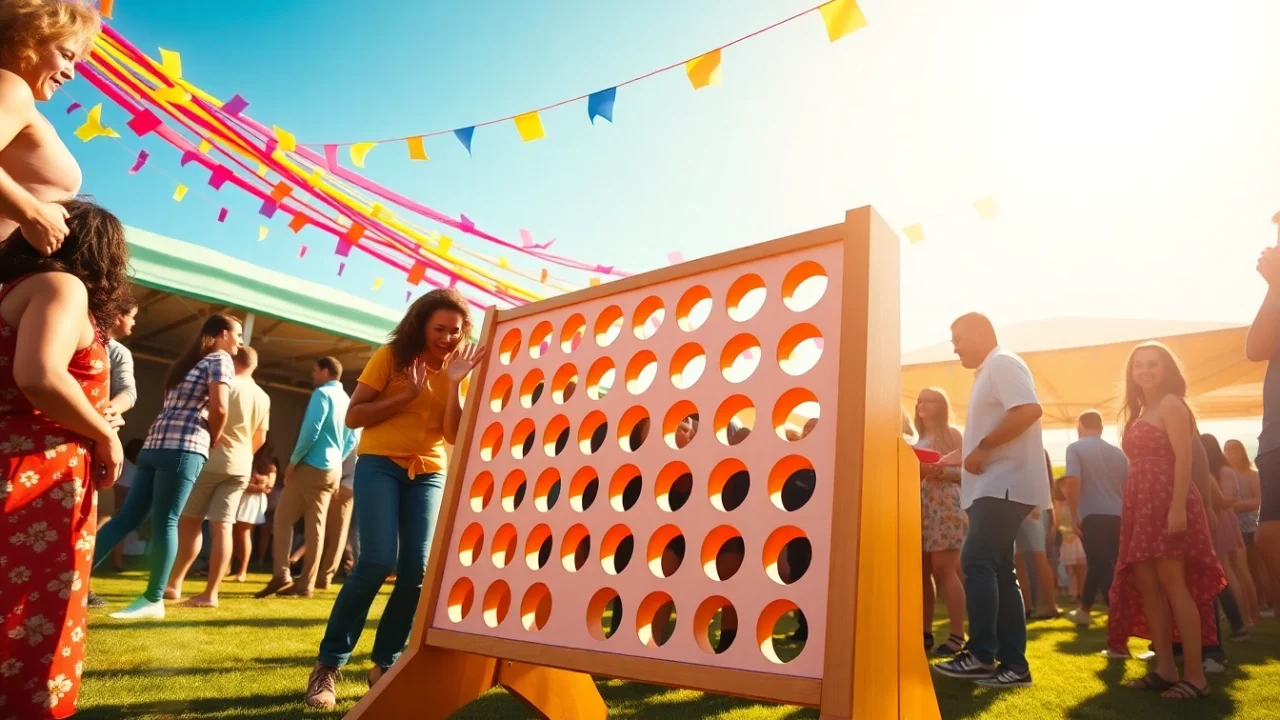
[390, 508]
[997, 626]
[161, 484]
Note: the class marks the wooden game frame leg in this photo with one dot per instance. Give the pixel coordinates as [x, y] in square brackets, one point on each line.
[433, 683]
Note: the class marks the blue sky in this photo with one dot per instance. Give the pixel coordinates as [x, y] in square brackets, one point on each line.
[1132, 150]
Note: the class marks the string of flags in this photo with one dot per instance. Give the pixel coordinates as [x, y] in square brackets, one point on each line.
[986, 208]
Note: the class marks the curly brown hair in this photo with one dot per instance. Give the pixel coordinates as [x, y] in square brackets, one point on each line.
[409, 338]
[26, 25]
[95, 251]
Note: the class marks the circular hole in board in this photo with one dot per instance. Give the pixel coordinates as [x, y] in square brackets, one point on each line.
[641, 371]
[575, 548]
[625, 487]
[490, 441]
[804, 285]
[503, 549]
[680, 425]
[564, 383]
[791, 482]
[522, 438]
[538, 547]
[648, 318]
[575, 328]
[509, 346]
[633, 429]
[746, 296]
[604, 613]
[535, 607]
[694, 308]
[556, 437]
[782, 631]
[583, 489]
[735, 419]
[787, 555]
[461, 597]
[500, 393]
[608, 326]
[481, 491]
[665, 553]
[592, 432]
[656, 619]
[796, 414]
[740, 358]
[674, 486]
[687, 365]
[715, 625]
[616, 549]
[723, 551]
[600, 378]
[497, 603]
[513, 489]
[799, 349]
[728, 485]
[531, 388]
[470, 544]
[540, 340]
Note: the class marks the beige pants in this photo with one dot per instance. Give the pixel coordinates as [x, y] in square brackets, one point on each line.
[306, 494]
[335, 534]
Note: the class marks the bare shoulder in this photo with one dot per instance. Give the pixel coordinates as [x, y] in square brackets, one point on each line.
[15, 94]
[1173, 411]
[60, 285]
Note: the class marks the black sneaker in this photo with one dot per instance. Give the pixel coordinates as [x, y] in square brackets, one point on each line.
[965, 666]
[1006, 677]
[95, 601]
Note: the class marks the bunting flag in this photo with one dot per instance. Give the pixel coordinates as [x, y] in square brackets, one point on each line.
[139, 162]
[464, 137]
[530, 127]
[285, 139]
[600, 104]
[302, 251]
[105, 8]
[377, 283]
[987, 208]
[262, 232]
[73, 107]
[360, 151]
[171, 64]
[179, 193]
[417, 149]
[143, 123]
[841, 18]
[93, 127]
[222, 215]
[704, 70]
[914, 233]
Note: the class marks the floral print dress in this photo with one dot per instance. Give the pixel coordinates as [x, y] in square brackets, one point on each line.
[943, 524]
[47, 520]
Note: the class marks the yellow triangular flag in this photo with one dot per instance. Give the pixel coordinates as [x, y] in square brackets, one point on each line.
[593, 281]
[93, 127]
[530, 126]
[446, 242]
[914, 233]
[504, 263]
[842, 17]
[171, 63]
[205, 146]
[987, 208]
[704, 70]
[262, 232]
[173, 95]
[417, 149]
[180, 193]
[377, 283]
[285, 139]
[359, 151]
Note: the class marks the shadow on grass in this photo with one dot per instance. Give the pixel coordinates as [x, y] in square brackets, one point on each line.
[103, 624]
[1119, 701]
[253, 706]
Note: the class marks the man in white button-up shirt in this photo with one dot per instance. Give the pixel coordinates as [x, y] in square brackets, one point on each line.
[1003, 480]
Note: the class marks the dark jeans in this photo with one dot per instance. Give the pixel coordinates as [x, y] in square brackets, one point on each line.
[997, 626]
[1100, 535]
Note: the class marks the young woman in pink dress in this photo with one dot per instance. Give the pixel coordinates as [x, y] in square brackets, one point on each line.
[1167, 574]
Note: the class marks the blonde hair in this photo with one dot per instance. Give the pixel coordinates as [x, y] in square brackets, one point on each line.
[27, 25]
[942, 440]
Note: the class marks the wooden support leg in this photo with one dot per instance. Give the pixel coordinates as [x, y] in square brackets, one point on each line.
[553, 694]
[428, 683]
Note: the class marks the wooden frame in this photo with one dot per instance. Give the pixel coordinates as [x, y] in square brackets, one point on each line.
[872, 666]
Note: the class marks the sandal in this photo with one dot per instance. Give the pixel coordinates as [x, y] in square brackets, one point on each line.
[1184, 690]
[1151, 681]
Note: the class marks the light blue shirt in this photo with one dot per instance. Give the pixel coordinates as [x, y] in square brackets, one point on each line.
[324, 440]
[1103, 470]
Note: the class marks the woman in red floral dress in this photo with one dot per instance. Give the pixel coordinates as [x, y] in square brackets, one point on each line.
[1167, 575]
[54, 442]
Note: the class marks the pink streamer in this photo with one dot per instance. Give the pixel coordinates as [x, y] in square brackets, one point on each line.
[137, 164]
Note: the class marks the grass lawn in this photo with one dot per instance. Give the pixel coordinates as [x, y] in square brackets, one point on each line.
[250, 659]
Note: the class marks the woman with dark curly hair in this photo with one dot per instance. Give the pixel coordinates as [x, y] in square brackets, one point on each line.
[54, 442]
[408, 400]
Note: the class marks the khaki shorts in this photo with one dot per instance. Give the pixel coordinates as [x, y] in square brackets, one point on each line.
[216, 497]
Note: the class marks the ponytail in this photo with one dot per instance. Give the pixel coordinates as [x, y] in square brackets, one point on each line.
[201, 346]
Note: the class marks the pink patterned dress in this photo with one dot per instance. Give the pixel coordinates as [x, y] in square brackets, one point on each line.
[1144, 536]
[47, 525]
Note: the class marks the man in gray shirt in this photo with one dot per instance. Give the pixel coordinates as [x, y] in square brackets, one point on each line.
[1094, 485]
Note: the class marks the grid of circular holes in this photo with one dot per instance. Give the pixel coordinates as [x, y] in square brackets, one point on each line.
[540, 339]
[729, 484]
[531, 388]
[680, 425]
[735, 419]
[503, 548]
[616, 549]
[583, 489]
[461, 597]
[804, 285]
[546, 491]
[470, 544]
[796, 414]
[481, 491]
[522, 438]
[687, 365]
[535, 607]
[641, 371]
[787, 555]
[608, 326]
[722, 553]
[715, 624]
[497, 603]
[490, 441]
[625, 488]
[799, 349]
[604, 613]
[575, 548]
[575, 328]
[600, 377]
[513, 490]
[556, 437]
[665, 553]
[694, 308]
[538, 547]
[673, 486]
[592, 432]
[648, 318]
[776, 631]
[500, 393]
[656, 619]
[746, 297]
[740, 357]
[633, 429]
[564, 383]
[509, 346]
[791, 482]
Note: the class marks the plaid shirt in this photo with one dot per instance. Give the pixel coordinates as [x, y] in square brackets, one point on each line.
[183, 423]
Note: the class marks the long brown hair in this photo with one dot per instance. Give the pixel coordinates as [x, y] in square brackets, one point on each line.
[25, 25]
[1175, 382]
[409, 338]
[201, 346]
[942, 439]
[94, 251]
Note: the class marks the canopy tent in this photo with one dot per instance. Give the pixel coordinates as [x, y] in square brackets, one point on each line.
[1078, 364]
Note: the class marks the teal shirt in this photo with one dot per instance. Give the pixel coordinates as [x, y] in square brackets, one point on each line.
[324, 440]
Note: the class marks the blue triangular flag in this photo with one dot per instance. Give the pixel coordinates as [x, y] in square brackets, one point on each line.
[600, 104]
[464, 136]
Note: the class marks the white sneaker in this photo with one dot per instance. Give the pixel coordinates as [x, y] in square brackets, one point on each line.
[1080, 617]
[1213, 666]
[1114, 655]
[141, 609]
[1146, 654]
[1269, 613]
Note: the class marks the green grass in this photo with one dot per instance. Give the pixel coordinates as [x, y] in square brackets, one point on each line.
[250, 659]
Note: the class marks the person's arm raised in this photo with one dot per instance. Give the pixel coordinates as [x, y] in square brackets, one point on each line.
[1263, 339]
[43, 224]
[460, 363]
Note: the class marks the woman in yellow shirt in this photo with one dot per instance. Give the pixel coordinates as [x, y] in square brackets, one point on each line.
[408, 400]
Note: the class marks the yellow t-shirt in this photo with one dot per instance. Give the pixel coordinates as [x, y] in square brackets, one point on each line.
[414, 436]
